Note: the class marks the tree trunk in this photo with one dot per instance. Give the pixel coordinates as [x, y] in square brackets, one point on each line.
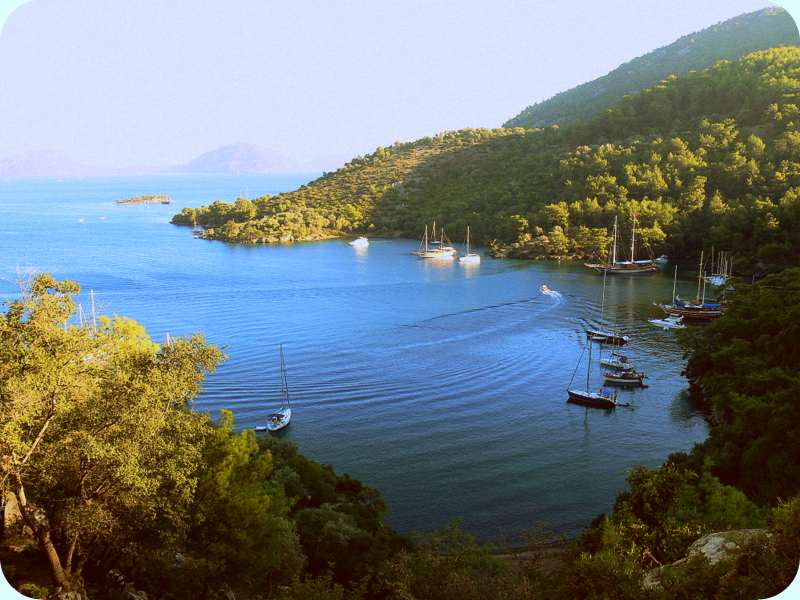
[42, 533]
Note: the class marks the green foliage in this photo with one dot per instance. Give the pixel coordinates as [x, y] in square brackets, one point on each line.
[96, 435]
[666, 510]
[447, 565]
[746, 365]
[339, 520]
[237, 531]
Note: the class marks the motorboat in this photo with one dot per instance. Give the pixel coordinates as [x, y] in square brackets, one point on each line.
[670, 322]
[360, 242]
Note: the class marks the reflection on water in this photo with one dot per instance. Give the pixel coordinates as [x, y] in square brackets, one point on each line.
[443, 384]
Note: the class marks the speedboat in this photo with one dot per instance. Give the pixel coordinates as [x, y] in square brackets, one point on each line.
[361, 242]
[671, 322]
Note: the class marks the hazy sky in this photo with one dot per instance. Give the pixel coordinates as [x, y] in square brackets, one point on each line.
[159, 82]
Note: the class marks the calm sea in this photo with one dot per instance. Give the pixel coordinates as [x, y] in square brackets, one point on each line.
[440, 384]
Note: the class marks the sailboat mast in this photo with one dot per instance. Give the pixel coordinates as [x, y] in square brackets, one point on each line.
[589, 367]
[614, 247]
[603, 301]
[284, 384]
[700, 276]
[633, 239]
[674, 282]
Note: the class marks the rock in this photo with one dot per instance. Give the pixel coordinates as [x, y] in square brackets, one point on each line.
[713, 548]
[717, 546]
[71, 596]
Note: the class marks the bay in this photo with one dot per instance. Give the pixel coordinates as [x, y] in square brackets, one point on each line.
[441, 384]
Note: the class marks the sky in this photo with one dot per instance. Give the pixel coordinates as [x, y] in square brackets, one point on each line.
[154, 82]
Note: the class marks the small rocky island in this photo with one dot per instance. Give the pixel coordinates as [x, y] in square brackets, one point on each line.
[146, 200]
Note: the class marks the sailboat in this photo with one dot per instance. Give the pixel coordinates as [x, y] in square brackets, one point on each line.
[281, 417]
[600, 399]
[624, 377]
[616, 360]
[604, 335]
[433, 248]
[670, 321]
[697, 310]
[469, 257]
[627, 267]
[721, 272]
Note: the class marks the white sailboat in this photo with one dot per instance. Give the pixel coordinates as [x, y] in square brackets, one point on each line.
[437, 249]
[469, 257]
[281, 417]
[616, 360]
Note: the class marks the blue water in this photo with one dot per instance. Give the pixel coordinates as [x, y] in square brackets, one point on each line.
[443, 385]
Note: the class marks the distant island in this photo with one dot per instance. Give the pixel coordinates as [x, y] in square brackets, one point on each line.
[152, 199]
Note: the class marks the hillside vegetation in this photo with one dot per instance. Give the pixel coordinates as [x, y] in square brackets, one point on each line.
[711, 158]
[730, 40]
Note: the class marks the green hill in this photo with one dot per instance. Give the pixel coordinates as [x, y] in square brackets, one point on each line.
[712, 157]
[731, 40]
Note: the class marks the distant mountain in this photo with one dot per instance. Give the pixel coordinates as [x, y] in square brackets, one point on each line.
[731, 40]
[237, 158]
[47, 163]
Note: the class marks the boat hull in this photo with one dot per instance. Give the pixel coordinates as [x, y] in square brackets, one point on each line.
[616, 364]
[624, 268]
[443, 254]
[361, 242]
[674, 322]
[624, 378]
[279, 419]
[607, 337]
[696, 313]
[594, 399]
[470, 259]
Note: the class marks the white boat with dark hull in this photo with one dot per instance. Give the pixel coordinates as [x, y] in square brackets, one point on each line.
[600, 399]
[602, 335]
[607, 337]
[624, 267]
[281, 417]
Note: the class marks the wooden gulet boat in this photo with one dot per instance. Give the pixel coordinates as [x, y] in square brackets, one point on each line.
[627, 267]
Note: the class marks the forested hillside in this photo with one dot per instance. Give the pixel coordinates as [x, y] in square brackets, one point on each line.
[730, 40]
[711, 158]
